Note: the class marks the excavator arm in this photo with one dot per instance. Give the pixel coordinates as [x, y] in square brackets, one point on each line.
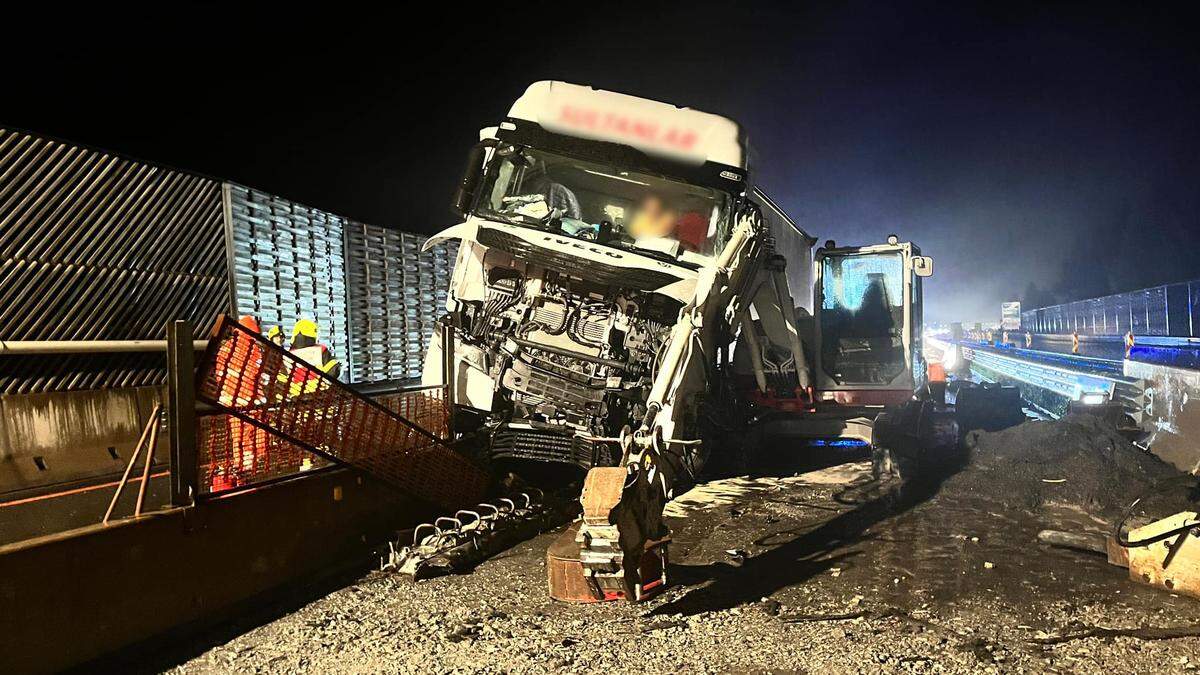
[622, 506]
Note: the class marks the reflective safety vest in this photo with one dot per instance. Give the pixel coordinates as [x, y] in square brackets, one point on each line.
[1128, 343]
[936, 372]
[318, 356]
[1074, 343]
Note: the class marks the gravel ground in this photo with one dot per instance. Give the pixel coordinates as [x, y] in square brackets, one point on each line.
[812, 573]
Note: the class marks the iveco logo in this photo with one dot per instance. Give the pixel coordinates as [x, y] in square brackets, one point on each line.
[584, 247]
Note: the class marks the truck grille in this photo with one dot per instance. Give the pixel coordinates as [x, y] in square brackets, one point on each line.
[543, 445]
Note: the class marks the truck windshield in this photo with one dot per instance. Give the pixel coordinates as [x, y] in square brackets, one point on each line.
[862, 317]
[529, 186]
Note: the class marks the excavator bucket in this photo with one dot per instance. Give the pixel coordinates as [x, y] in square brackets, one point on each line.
[275, 414]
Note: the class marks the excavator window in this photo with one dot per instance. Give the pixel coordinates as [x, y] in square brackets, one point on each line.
[862, 318]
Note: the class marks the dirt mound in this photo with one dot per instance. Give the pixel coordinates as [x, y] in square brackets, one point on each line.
[1078, 461]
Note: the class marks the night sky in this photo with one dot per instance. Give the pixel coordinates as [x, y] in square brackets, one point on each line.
[1036, 153]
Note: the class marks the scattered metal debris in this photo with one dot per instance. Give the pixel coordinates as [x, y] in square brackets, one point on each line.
[843, 616]
[455, 544]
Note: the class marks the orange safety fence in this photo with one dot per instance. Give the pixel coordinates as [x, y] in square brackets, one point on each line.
[274, 414]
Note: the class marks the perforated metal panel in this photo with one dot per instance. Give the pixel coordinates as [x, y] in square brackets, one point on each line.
[288, 264]
[396, 295]
[94, 246]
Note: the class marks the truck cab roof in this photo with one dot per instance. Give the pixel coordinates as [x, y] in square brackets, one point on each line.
[653, 127]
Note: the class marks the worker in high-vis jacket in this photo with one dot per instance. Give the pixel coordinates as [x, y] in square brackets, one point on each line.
[1128, 342]
[306, 347]
[1074, 342]
[239, 367]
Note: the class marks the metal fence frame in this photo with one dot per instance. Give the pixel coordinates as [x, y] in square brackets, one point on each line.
[1169, 310]
[96, 246]
[269, 413]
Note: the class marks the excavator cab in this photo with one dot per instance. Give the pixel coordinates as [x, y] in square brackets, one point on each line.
[862, 349]
[868, 318]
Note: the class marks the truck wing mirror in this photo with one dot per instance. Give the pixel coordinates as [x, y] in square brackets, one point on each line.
[464, 196]
[923, 265]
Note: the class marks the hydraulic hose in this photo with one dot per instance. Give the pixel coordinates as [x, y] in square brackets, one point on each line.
[1186, 480]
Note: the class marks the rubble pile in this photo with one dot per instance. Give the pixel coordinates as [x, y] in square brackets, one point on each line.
[1079, 462]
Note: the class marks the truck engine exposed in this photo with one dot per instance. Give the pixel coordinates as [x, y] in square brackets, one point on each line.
[573, 358]
[588, 221]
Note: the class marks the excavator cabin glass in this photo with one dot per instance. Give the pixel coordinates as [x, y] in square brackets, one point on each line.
[862, 317]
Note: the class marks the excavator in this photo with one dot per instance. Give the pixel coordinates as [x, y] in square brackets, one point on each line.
[628, 303]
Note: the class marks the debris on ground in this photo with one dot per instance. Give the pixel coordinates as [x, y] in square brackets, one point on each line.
[1078, 462]
[815, 571]
[1166, 633]
[891, 580]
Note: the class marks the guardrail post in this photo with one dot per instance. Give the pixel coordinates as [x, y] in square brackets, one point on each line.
[181, 412]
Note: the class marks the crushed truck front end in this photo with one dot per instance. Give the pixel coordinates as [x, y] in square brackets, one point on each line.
[589, 219]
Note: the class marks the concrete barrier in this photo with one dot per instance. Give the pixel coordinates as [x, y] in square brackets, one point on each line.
[72, 597]
[1170, 412]
[53, 438]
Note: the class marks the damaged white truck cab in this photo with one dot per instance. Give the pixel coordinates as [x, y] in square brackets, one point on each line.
[591, 221]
